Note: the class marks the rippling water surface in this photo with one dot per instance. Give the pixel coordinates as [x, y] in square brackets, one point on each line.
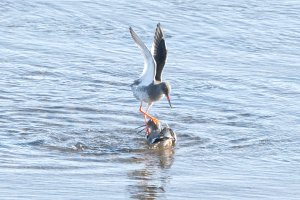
[68, 117]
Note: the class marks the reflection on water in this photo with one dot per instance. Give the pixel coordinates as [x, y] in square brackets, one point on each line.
[151, 180]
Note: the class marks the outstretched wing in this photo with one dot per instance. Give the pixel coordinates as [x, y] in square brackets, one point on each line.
[159, 52]
[148, 74]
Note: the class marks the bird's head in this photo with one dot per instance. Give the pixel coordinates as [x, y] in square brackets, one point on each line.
[166, 88]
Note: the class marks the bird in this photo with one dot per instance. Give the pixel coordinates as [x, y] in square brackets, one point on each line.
[160, 136]
[150, 87]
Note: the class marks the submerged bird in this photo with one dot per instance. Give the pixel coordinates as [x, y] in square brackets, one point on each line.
[160, 137]
[150, 87]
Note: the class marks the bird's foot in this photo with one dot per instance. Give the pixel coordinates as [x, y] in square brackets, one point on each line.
[156, 121]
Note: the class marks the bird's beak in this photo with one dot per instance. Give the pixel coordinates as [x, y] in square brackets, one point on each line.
[168, 98]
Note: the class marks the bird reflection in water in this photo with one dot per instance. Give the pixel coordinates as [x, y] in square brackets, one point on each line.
[151, 180]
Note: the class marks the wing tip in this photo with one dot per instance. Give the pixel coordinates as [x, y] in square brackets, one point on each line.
[130, 29]
[159, 32]
[134, 36]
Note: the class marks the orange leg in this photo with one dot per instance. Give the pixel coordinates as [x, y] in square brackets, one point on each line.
[156, 121]
[146, 114]
[147, 127]
[145, 118]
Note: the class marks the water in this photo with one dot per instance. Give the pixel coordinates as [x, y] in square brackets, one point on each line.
[68, 117]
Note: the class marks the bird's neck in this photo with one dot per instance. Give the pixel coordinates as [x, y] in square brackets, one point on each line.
[156, 91]
[159, 87]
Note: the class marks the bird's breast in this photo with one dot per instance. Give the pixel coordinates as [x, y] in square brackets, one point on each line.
[140, 93]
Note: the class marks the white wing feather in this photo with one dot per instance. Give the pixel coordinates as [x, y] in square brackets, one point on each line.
[149, 70]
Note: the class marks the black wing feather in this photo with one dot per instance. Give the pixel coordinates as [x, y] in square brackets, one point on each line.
[159, 52]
